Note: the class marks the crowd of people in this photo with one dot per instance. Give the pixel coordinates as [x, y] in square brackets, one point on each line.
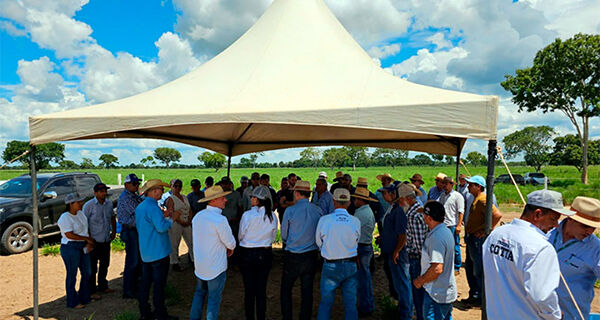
[330, 227]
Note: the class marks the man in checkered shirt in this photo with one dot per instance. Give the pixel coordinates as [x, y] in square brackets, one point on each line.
[415, 236]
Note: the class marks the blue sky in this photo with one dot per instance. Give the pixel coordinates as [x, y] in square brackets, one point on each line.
[57, 55]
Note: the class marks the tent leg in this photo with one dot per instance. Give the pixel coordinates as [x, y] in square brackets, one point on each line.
[34, 200]
[457, 165]
[488, 209]
[228, 166]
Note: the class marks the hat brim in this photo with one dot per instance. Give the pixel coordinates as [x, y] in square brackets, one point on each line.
[301, 189]
[358, 196]
[148, 188]
[420, 180]
[587, 222]
[338, 179]
[82, 199]
[214, 196]
[381, 176]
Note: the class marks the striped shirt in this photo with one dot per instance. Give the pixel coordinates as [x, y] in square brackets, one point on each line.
[416, 231]
[128, 201]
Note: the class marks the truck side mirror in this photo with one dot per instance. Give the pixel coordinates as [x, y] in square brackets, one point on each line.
[49, 195]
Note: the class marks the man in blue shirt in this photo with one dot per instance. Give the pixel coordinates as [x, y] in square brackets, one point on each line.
[298, 230]
[436, 191]
[578, 251]
[417, 180]
[153, 229]
[393, 243]
[128, 201]
[322, 198]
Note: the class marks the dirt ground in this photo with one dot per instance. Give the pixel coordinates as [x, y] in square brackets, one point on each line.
[16, 290]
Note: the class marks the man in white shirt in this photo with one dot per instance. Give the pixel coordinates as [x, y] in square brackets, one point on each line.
[454, 204]
[520, 266]
[337, 236]
[213, 243]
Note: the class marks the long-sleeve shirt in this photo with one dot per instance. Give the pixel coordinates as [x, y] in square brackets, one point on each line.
[324, 201]
[126, 205]
[337, 235]
[256, 230]
[299, 226]
[521, 273]
[384, 205]
[153, 230]
[423, 197]
[99, 216]
[579, 263]
[212, 237]
[416, 231]
[434, 193]
[367, 224]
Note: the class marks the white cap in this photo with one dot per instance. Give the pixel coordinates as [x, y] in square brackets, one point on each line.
[548, 199]
[323, 174]
[262, 193]
[341, 195]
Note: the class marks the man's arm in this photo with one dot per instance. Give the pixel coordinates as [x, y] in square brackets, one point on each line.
[541, 279]
[226, 236]
[434, 271]
[284, 226]
[399, 245]
[160, 223]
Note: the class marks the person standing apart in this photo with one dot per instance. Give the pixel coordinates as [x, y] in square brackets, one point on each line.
[153, 226]
[213, 243]
[128, 201]
[366, 303]
[454, 205]
[75, 246]
[103, 229]
[520, 266]
[437, 259]
[182, 227]
[578, 251]
[298, 230]
[337, 236]
[258, 229]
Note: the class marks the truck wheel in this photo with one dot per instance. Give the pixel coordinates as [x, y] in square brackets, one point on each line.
[17, 238]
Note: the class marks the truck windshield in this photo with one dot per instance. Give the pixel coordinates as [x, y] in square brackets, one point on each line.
[19, 187]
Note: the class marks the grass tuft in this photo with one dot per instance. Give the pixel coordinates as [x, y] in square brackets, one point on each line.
[50, 249]
[117, 244]
[172, 295]
[126, 315]
[388, 306]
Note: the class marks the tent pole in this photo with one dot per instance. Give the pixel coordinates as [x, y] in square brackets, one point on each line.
[488, 209]
[457, 165]
[229, 152]
[34, 200]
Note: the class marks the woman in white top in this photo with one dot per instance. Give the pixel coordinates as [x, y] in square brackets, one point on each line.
[258, 229]
[182, 227]
[74, 250]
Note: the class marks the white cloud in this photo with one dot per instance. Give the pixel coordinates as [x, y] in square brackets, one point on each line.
[568, 17]
[384, 51]
[440, 41]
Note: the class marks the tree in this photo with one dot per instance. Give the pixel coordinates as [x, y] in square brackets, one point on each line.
[311, 155]
[108, 160]
[532, 142]
[450, 160]
[147, 161]
[567, 151]
[356, 154]
[564, 77]
[44, 154]
[167, 155]
[68, 164]
[390, 157]
[422, 160]
[86, 163]
[438, 159]
[212, 160]
[335, 157]
[475, 159]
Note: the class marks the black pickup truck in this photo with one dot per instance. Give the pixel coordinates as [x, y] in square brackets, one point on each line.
[16, 214]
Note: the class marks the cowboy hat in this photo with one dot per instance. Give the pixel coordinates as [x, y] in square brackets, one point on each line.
[417, 177]
[587, 211]
[385, 175]
[338, 175]
[302, 185]
[153, 183]
[213, 192]
[363, 194]
[440, 176]
[362, 181]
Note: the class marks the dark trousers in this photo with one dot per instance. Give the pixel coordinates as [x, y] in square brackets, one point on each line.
[100, 255]
[388, 275]
[133, 261]
[303, 266]
[471, 280]
[75, 259]
[474, 247]
[156, 273]
[255, 264]
[417, 294]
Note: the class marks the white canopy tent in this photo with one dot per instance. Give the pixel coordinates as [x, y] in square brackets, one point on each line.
[296, 78]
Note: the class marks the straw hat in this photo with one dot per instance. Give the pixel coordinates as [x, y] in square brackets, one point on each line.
[362, 193]
[386, 175]
[362, 181]
[417, 177]
[153, 183]
[213, 192]
[338, 175]
[440, 176]
[587, 211]
[302, 185]
[406, 189]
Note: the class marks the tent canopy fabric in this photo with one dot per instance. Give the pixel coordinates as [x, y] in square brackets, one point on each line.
[296, 78]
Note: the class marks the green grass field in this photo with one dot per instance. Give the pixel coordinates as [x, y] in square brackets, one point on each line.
[564, 179]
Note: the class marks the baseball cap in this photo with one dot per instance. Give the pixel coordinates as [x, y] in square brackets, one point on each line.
[261, 192]
[225, 179]
[73, 197]
[323, 174]
[100, 186]
[195, 182]
[550, 200]
[131, 178]
[341, 195]
[244, 179]
[477, 180]
[435, 210]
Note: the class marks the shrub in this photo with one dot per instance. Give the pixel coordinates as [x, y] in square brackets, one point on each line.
[117, 244]
[50, 250]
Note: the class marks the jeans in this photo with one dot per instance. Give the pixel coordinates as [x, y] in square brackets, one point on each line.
[214, 289]
[154, 272]
[74, 258]
[388, 275]
[338, 275]
[100, 255]
[401, 278]
[436, 311]
[457, 256]
[471, 280]
[366, 302]
[417, 294]
[303, 266]
[133, 266]
[255, 264]
[474, 246]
